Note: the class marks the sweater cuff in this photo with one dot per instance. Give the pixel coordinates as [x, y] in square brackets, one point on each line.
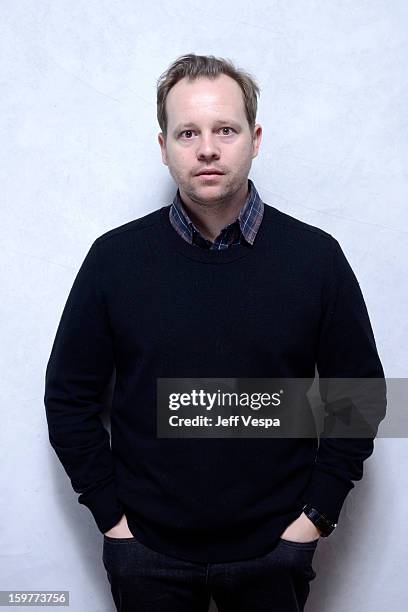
[326, 493]
[104, 506]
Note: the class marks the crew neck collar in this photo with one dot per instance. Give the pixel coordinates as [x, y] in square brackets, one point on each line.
[192, 251]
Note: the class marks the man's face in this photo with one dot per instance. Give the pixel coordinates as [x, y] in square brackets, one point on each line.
[208, 129]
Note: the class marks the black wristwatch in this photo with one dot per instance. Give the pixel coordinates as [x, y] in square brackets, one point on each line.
[325, 525]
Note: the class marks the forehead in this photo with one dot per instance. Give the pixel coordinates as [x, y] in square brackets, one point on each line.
[205, 98]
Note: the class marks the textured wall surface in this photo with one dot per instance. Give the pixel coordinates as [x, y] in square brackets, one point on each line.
[79, 156]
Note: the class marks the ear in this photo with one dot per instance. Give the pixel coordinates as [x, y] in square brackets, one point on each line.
[162, 144]
[256, 139]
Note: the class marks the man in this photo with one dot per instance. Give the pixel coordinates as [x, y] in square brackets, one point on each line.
[217, 284]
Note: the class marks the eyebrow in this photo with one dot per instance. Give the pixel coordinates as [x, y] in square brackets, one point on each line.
[190, 124]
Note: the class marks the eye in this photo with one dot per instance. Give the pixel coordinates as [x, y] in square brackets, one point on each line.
[190, 131]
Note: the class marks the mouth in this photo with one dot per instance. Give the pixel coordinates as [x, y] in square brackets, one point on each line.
[209, 175]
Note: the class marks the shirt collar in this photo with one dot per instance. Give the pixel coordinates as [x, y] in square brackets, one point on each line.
[249, 218]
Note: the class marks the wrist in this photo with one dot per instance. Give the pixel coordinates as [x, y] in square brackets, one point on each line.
[309, 525]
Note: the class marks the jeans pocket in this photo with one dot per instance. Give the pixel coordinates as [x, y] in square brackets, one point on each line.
[297, 557]
[120, 554]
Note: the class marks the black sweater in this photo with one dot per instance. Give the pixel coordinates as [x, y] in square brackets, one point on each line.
[146, 304]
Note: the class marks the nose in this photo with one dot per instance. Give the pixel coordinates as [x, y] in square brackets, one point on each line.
[207, 147]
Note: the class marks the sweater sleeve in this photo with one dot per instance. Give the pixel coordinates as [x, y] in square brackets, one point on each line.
[79, 368]
[346, 350]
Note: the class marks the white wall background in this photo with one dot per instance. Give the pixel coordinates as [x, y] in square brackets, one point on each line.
[79, 155]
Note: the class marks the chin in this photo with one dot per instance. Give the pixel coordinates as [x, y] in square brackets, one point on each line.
[207, 194]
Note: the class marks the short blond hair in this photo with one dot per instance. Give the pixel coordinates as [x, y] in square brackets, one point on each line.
[195, 66]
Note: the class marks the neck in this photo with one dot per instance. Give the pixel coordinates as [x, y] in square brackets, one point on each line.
[211, 217]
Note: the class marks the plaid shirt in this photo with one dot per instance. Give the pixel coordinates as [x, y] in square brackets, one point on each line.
[245, 226]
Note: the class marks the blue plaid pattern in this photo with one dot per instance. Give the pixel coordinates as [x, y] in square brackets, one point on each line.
[244, 227]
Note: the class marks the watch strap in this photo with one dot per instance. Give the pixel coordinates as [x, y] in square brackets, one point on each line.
[324, 524]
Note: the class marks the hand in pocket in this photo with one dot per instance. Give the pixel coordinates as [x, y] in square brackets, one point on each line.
[120, 530]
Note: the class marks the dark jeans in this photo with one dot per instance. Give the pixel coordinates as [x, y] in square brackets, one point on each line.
[143, 580]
